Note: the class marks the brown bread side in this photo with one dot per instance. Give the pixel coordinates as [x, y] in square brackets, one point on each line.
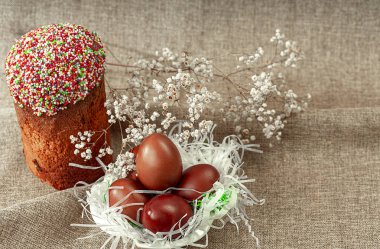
[47, 146]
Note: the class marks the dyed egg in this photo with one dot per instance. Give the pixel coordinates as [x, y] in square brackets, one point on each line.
[158, 163]
[127, 185]
[200, 177]
[162, 212]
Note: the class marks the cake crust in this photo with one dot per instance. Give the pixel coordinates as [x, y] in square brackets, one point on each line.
[47, 147]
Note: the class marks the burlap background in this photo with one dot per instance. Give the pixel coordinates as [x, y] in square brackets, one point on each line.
[321, 185]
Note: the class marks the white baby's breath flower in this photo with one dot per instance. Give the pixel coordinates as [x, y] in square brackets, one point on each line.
[175, 87]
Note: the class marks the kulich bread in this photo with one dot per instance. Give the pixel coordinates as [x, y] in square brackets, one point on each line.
[56, 76]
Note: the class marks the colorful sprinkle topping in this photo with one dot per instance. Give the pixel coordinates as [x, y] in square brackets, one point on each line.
[54, 66]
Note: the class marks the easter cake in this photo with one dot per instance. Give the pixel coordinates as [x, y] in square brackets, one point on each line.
[55, 75]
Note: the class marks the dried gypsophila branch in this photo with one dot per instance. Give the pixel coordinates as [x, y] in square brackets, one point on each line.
[159, 88]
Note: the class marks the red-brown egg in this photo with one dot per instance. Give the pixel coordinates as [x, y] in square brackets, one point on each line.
[200, 177]
[128, 185]
[162, 212]
[158, 162]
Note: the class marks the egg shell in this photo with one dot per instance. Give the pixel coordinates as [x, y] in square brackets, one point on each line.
[128, 185]
[158, 162]
[162, 212]
[200, 177]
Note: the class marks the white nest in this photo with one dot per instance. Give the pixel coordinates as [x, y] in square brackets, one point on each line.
[225, 202]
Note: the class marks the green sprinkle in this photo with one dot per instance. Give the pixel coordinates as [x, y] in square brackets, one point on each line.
[81, 73]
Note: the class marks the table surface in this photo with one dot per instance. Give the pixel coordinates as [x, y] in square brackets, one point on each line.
[321, 185]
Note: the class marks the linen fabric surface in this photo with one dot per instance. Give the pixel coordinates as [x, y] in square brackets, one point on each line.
[321, 184]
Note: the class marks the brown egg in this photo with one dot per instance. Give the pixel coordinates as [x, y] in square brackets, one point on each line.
[162, 212]
[200, 177]
[128, 185]
[158, 163]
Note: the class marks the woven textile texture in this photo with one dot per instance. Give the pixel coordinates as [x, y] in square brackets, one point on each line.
[321, 184]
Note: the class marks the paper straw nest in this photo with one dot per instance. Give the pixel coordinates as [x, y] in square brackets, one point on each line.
[225, 202]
